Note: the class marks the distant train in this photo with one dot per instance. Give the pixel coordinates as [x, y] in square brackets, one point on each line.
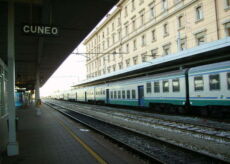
[203, 88]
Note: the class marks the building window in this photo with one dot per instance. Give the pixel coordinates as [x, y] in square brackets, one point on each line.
[200, 38]
[228, 80]
[108, 69]
[114, 67]
[143, 57]
[176, 85]
[127, 48]
[120, 52]
[143, 40]
[153, 35]
[126, 29]
[112, 26]
[113, 37]
[165, 86]
[156, 86]
[164, 5]
[141, 1]
[166, 49]
[199, 13]
[165, 28]
[120, 65]
[133, 94]
[107, 42]
[154, 53]
[180, 20]
[119, 21]
[134, 24]
[198, 83]
[142, 17]
[134, 44]
[127, 62]
[226, 4]
[126, 11]
[151, 12]
[148, 87]
[177, 1]
[133, 5]
[214, 82]
[135, 60]
[227, 28]
[182, 44]
[119, 34]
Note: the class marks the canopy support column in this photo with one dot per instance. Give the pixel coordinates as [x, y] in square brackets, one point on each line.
[12, 147]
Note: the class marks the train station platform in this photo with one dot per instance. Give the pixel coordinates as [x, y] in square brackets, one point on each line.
[51, 138]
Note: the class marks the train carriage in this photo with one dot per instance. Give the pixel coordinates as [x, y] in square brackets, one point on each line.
[209, 86]
[206, 87]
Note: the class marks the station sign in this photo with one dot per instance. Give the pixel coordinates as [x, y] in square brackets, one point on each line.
[40, 30]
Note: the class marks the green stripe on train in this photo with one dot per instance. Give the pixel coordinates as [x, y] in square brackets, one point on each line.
[124, 102]
[210, 102]
[167, 101]
[146, 102]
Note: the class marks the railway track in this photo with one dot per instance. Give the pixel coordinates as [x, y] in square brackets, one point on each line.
[153, 149]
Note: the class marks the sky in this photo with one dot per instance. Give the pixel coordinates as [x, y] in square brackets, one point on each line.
[71, 71]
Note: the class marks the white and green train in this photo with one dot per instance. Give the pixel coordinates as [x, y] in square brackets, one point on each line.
[205, 87]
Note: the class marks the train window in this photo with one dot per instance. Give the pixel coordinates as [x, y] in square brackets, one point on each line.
[165, 86]
[128, 94]
[115, 94]
[123, 94]
[176, 85]
[103, 92]
[119, 94]
[214, 82]
[156, 86]
[228, 80]
[111, 94]
[133, 94]
[148, 87]
[198, 83]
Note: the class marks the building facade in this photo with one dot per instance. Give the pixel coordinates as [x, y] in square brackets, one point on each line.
[138, 31]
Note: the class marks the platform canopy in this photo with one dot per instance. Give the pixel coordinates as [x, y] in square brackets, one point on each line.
[46, 32]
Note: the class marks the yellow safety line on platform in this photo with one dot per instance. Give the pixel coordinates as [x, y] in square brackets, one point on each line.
[90, 150]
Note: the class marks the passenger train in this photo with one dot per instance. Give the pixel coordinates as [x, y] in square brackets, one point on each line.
[203, 88]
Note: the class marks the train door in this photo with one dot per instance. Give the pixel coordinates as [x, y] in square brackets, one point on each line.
[76, 97]
[141, 95]
[85, 96]
[107, 96]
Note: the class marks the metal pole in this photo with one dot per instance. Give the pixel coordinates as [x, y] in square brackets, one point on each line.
[12, 147]
[37, 94]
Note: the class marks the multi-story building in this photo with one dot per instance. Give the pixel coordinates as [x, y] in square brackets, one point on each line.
[141, 30]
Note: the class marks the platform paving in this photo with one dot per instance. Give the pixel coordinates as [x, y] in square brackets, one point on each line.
[43, 140]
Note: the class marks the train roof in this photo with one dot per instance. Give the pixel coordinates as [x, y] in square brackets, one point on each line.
[216, 66]
[203, 54]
